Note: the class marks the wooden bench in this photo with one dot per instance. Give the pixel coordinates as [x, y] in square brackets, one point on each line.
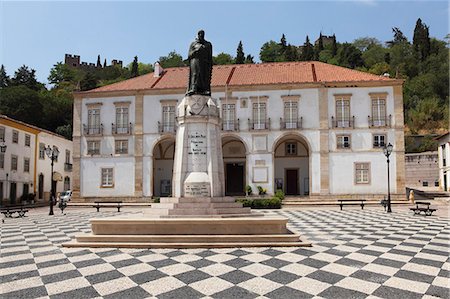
[10, 210]
[343, 202]
[422, 206]
[108, 204]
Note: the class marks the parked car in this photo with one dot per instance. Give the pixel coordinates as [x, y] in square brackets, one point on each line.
[65, 195]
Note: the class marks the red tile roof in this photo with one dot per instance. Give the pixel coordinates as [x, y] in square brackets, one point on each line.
[249, 74]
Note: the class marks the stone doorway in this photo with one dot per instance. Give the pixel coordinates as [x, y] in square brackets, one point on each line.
[292, 186]
[234, 181]
[234, 160]
[163, 155]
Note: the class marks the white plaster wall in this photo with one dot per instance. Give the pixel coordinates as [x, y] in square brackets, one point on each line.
[281, 164]
[153, 110]
[21, 151]
[342, 173]
[90, 182]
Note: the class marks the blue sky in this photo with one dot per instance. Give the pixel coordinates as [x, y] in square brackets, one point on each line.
[38, 34]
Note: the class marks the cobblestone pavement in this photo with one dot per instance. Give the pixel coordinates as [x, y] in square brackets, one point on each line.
[355, 254]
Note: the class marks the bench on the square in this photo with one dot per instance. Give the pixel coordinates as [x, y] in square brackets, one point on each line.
[422, 206]
[343, 202]
[8, 211]
[108, 204]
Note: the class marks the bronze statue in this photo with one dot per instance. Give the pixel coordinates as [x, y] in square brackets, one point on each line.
[200, 66]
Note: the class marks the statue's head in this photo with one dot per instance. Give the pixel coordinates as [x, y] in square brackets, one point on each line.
[201, 35]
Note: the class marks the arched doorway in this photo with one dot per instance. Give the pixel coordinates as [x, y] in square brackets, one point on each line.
[291, 165]
[163, 155]
[234, 161]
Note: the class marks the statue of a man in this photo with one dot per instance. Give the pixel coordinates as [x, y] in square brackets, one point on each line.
[200, 66]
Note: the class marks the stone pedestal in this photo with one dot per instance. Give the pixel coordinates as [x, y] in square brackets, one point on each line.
[198, 165]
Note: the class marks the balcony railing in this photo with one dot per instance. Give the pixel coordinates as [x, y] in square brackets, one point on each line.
[380, 122]
[67, 167]
[121, 129]
[167, 128]
[93, 130]
[343, 122]
[258, 124]
[291, 124]
[230, 125]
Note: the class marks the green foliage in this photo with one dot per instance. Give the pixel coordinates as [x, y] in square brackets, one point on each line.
[172, 60]
[426, 115]
[280, 194]
[421, 40]
[261, 203]
[248, 190]
[249, 59]
[223, 58]
[240, 56]
[21, 103]
[399, 38]
[156, 200]
[261, 190]
[26, 77]
[61, 73]
[135, 68]
[145, 68]
[4, 78]
[271, 52]
[364, 43]
[307, 51]
[349, 56]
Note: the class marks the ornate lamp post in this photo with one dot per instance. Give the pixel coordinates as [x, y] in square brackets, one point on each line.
[387, 150]
[52, 153]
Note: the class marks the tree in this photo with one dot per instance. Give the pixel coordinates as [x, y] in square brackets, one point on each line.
[104, 63]
[373, 54]
[21, 103]
[270, 52]
[26, 77]
[291, 53]
[399, 38]
[61, 72]
[249, 59]
[223, 58]
[4, 78]
[89, 81]
[307, 51]
[364, 43]
[421, 40]
[135, 68]
[334, 47]
[144, 68]
[172, 60]
[283, 45]
[57, 108]
[349, 56]
[318, 47]
[240, 56]
[99, 64]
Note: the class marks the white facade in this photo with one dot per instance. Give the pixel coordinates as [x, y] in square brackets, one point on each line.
[32, 171]
[444, 165]
[304, 159]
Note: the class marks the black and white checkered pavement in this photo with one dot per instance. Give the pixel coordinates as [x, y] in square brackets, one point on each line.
[356, 254]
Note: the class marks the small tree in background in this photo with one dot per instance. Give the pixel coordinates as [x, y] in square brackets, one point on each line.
[99, 64]
[308, 51]
[249, 59]
[421, 40]
[135, 68]
[240, 56]
[334, 47]
[4, 79]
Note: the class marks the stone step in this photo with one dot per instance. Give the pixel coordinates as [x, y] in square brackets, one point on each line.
[196, 200]
[335, 202]
[184, 245]
[209, 211]
[188, 238]
[201, 205]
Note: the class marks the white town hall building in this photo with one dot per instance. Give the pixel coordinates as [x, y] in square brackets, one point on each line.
[308, 128]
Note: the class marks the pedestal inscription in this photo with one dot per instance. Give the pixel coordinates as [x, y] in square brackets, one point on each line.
[196, 151]
[197, 190]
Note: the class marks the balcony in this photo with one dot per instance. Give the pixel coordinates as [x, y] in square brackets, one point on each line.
[343, 122]
[121, 129]
[254, 125]
[167, 128]
[380, 122]
[230, 125]
[93, 130]
[291, 124]
[67, 167]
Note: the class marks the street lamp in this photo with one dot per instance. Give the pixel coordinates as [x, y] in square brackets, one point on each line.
[2, 152]
[52, 153]
[387, 150]
[3, 147]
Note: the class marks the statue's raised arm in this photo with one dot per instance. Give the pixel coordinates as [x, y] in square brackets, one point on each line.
[200, 66]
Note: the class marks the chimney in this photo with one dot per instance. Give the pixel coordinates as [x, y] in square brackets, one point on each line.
[158, 70]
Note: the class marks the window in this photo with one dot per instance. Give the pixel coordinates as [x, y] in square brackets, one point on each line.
[362, 173]
[259, 116]
[2, 134]
[228, 117]
[425, 184]
[343, 113]
[343, 141]
[66, 183]
[27, 140]
[168, 118]
[378, 112]
[379, 140]
[15, 136]
[291, 148]
[41, 151]
[67, 157]
[93, 147]
[436, 183]
[13, 162]
[2, 161]
[107, 177]
[26, 164]
[94, 121]
[121, 120]
[121, 147]
[290, 114]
